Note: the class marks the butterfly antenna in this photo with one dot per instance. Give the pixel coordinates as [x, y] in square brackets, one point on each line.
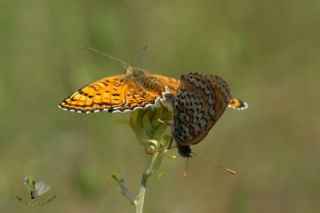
[185, 172]
[138, 56]
[105, 55]
[215, 163]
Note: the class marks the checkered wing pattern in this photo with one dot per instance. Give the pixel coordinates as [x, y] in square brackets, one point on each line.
[200, 102]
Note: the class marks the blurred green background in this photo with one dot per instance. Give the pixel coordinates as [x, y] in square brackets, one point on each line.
[268, 51]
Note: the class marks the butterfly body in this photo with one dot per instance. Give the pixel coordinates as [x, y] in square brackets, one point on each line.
[135, 89]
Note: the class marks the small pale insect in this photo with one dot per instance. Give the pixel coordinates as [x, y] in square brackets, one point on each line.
[199, 103]
[135, 89]
[36, 188]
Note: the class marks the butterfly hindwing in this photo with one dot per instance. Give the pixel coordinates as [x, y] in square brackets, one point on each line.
[200, 101]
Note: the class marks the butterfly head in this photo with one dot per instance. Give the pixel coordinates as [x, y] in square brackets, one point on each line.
[135, 73]
[184, 151]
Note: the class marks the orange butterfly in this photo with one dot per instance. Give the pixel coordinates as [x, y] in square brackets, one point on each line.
[135, 89]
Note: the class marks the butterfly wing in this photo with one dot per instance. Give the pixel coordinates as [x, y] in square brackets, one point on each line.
[237, 104]
[138, 98]
[106, 94]
[112, 94]
[41, 187]
[146, 91]
[172, 84]
[200, 102]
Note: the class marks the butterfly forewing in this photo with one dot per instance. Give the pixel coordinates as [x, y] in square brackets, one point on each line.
[135, 89]
[103, 94]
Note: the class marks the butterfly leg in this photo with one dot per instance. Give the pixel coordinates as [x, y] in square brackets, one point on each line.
[170, 143]
[165, 122]
[171, 98]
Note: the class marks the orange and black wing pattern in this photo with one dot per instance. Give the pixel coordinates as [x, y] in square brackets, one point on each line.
[237, 104]
[121, 93]
[103, 95]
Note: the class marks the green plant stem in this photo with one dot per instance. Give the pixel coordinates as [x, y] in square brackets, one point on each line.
[140, 198]
[154, 136]
[149, 169]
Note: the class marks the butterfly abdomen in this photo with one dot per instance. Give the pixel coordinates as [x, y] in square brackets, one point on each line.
[152, 84]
